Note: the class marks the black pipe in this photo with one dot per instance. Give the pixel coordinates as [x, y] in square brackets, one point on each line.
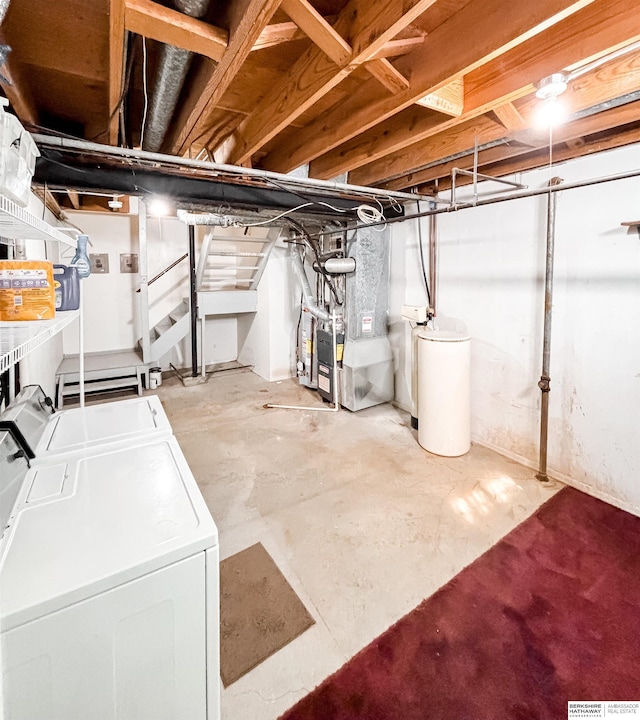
[193, 304]
[545, 380]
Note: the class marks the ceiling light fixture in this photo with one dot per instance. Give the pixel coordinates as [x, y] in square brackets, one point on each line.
[552, 86]
[115, 203]
[552, 112]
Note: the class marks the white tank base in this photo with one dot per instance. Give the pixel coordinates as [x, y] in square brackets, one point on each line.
[444, 392]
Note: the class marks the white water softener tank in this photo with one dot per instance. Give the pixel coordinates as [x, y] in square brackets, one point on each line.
[444, 402]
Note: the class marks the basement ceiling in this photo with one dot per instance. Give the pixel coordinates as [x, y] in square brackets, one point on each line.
[393, 92]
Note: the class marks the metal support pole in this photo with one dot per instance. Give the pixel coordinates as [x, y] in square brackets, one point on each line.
[143, 269]
[433, 260]
[81, 343]
[545, 380]
[193, 304]
[203, 362]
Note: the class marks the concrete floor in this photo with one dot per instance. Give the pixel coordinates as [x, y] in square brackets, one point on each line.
[361, 520]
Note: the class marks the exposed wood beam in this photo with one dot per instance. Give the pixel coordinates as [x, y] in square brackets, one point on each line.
[319, 31]
[459, 139]
[392, 135]
[572, 134]
[601, 140]
[313, 76]
[509, 116]
[17, 90]
[588, 33]
[376, 23]
[171, 27]
[283, 32]
[322, 34]
[395, 48]
[248, 20]
[277, 34]
[448, 100]
[484, 40]
[388, 75]
[622, 77]
[116, 64]
[74, 198]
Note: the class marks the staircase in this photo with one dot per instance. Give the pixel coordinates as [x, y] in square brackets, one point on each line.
[230, 266]
[169, 331]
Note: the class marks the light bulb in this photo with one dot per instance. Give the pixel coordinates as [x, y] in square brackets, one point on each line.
[159, 206]
[551, 113]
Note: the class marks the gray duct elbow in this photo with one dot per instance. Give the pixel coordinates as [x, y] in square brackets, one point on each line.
[310, 302]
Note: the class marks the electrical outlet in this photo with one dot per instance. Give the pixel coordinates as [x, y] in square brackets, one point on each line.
[99, 263]
[128, 263]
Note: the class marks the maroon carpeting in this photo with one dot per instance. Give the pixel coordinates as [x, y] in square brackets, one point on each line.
[549, 614]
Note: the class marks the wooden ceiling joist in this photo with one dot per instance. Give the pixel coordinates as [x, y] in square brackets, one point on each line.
[322, 34]
[624, 75]
[374, 24]
[502, 80]
[387, 75]
[155, 21]
[484, 40]
[279, 33]
[313, 75]
[573, 134]
[116, 64]
[509, 117]
[276, 34]
[449, 100]
[17, 90]
[382, 90]
[501, 166]
[74, 199]
[248, 19]
[402, 46]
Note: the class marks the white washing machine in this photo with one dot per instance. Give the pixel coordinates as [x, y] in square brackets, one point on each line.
[109, 600]
[51, 433]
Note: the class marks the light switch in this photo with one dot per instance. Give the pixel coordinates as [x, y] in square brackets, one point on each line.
[99, 263]
[128, 263]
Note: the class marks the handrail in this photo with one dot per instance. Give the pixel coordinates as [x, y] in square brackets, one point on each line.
[166, 270]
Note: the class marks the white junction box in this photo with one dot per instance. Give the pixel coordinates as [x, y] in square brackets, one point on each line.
[415, 313]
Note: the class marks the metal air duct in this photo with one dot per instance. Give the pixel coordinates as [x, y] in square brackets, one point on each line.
[367, 374]
[172, 68]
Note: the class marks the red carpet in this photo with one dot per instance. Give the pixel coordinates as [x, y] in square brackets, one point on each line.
[549, 614]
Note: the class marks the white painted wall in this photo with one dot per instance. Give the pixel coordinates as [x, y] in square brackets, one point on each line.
[111, 303]
[491, 275]
[267, 339]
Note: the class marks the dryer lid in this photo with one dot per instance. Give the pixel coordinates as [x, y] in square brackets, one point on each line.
[96, 522]
[80, 429]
